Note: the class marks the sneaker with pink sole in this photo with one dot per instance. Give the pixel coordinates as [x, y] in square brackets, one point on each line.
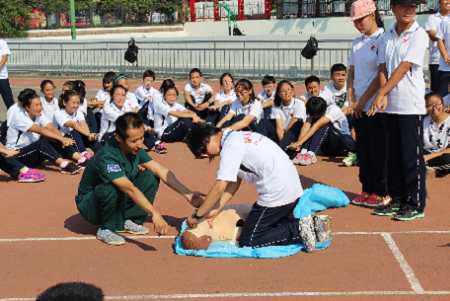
[377, 201]
[308, 159]
[297, 158]
[161, 148]
[31, 176]
[361, 199]
[87, 155]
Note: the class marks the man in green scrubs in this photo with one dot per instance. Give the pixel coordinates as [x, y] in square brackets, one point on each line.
[116, 195]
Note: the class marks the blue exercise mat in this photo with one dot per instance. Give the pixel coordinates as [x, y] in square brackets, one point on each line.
[315, 199]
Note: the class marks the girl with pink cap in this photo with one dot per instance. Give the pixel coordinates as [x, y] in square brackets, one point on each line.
[362, 85]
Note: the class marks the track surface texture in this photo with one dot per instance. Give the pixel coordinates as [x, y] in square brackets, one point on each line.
[45, 241]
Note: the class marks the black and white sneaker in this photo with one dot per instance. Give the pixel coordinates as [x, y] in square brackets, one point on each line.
[307, 234]
[71, 169]
[83, 164]
[322, 227]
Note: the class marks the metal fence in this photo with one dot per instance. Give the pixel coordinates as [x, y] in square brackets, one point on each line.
[253, 59]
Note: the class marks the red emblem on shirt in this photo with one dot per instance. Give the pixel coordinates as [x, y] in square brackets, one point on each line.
[372, 48]
[201, 94]
[405, 40]
[291, 114]
[247, 138]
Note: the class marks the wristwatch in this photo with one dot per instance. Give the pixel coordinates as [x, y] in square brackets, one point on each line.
[194, 215]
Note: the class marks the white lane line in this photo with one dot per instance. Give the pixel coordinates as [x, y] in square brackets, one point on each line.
[415, 285]
[391, 232]
[77, 238]
[281, 294]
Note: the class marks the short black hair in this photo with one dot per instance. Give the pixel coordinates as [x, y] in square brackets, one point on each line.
[114, 88]
[66, 96]
[24, 93]
[223, 76]
[72, 291]
[312, 79]
[45, 82]
[268, 79]
[316, 106]
[166, 83]
[195, 70]
[167, 88]
[149, 73]
[199, 135]
[127, 121]
[338, 67]
[26, 102]
[433, 94]
[109, 77]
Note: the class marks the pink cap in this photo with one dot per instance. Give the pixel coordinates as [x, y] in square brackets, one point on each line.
[361, 8]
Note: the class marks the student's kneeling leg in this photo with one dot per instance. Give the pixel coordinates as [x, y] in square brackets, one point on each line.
[267, 127]
[269, 226]
[177, 130]
[291, 135]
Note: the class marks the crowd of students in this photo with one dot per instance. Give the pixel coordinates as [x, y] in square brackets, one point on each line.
[376, 109]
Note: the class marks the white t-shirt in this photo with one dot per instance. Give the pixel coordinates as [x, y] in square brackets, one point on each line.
[433, 23]
[132, 101]
[338, 119]
[296, 109]
[103, 95]
[199, 95]
[4, 50]
[257, 159]
[223, 98]
[324, 94]
[109, 117]
[446, 100]
[49, 108]
[60, 117]
[364, 58]
[264, 97]
[83, 107]
[436, 137]
[142, 93]
[18, 135]
[254, 109]
[339, 96]
[443, 33]
[408, 96]
[13, 110]
[162, 117]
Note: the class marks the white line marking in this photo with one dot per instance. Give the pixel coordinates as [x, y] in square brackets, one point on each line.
[281, 294]
[415, 285]
[391, 232]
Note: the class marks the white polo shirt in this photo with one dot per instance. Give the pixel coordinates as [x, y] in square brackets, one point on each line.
[339, 96]
[408, 96]
[221, 97]
[264, 97]
[443, 33]
[49, 108]
[436, 137]
[4, 50]
[433, 23]
[324, 94]
[83, 106]
[13, 110]
[162, 117]
[254, 109]
[338, 119]
[142, 93]
[364, 58]
[60, 117]
[296, 109]
[18, 135]
[446, 100]
[257, 159]
[109, 117]
[199, 95]
[132, 101]
[103, 95]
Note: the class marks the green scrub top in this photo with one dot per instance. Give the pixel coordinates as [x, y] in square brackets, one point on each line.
[109, 164]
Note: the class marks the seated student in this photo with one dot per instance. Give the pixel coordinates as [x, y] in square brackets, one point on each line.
[103, 96]
[16, 169]
[131, 99]
[116, 108]
[71, 123]
[252, 158]
[24, 135]
[287, 118]
[147, 95]
[49, 102]
[436, 136]
[197, 95]
[114, 194]
[172, 120]
[325, 129]
[267, 95]
[223, 100]
[313, 89]
[245, 112]
[15, 108]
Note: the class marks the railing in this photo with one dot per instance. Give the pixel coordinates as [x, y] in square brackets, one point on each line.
[253, 59]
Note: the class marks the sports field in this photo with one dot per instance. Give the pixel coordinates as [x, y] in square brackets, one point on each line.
[44, 241]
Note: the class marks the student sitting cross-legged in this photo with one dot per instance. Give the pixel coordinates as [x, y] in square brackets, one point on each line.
[287, 118]
[245, 112]
[116, 195]
[267, 95]
[223, 100]
[24, 135]
[172, 120]
[16, 169]
[325, 129]
[15, 108]
[197, 95]
[147, 97]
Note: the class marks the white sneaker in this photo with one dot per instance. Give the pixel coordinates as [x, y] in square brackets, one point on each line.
[307, 234]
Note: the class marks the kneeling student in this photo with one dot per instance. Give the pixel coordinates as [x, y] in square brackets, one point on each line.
[253, 158]
[287, 118]
[172, 120]
[114, 194]
[325, 129]
[245, 112]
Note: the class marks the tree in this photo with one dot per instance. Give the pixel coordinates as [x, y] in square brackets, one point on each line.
[14, 14]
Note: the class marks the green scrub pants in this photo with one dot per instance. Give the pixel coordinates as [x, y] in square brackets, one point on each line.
[109, 207]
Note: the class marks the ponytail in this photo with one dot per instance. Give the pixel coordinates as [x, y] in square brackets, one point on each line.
[27, 98]
[66, 96]
[378, 19]
[23, 94]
